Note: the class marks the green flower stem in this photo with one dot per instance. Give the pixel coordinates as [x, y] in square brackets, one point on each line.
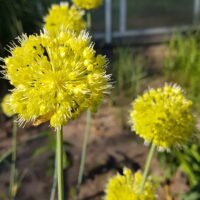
[84, 149]
[89, 20]
[147, 165]
[55, 177]
[13, 173]
[59, 163]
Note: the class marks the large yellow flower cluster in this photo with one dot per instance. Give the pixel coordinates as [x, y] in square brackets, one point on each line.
[6, 105]
[163, 116]
[87, 4]
[64, 16]
[55, 78]
[127, 187]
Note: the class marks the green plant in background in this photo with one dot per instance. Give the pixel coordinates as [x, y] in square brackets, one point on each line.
[128, 71]
[182, 63]
[188, 160]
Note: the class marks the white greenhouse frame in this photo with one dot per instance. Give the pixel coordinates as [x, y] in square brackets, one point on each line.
[108, 35]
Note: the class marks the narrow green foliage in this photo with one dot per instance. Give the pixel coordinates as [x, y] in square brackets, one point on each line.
[182, 63]
[188, 160]
[21, 16]
[128, 71]
[193, 193]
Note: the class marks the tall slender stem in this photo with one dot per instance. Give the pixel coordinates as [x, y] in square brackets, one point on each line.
[59, 158]
[89, 20]
[13, 174]
[88, 124]
[147, 165]
[55, 177]
[84, 148]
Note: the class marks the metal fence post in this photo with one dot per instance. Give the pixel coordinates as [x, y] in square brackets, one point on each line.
[196, 12]
[123, 16]
[108, 21]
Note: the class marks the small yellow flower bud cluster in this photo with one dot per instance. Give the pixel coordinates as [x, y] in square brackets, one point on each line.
[64, 17]
[88, 4]
[127, 187]
[6, 105]
[55, 78]
[163, 116]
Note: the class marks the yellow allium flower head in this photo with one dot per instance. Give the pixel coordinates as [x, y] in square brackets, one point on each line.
[64, 16]
[127, 187]
[87, 4]
[163, 117]
[7, 106]
[55, 78]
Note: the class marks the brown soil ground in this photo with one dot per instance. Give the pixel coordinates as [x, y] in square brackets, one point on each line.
[111, 147]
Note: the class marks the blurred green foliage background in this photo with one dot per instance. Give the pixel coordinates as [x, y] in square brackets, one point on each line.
[21, 16]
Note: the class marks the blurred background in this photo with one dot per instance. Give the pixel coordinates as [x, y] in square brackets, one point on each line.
[122, 18]
[148, 43]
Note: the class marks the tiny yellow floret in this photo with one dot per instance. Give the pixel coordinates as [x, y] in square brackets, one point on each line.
[64, 17]
[163, 117]
[88, 4]
[6, 105]
[127, 187]
[55, 78]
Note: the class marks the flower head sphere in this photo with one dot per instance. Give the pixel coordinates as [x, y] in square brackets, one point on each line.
[55, 78]
[64, 16]
[127, 186]
[163, 117]
[87, 4]
[6, 105]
